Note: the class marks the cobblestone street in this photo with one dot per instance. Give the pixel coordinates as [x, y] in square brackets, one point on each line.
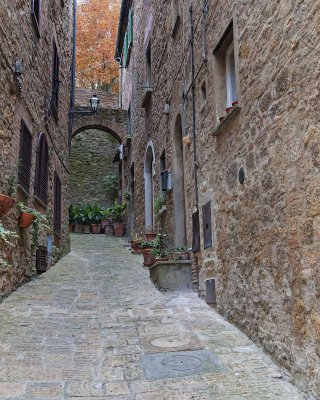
[94, 326]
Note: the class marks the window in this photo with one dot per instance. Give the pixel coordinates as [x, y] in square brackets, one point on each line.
[207, 226]
[128, 40]
[25, 157]
[203, 93]
[55, 79]
[57, 204]
[35, 12]
[149, 66]
[41, 182]
[41, 259]
[225, 75]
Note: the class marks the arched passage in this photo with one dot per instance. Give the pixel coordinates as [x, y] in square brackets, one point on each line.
[94, 127]
[178, 189]
[148, 185]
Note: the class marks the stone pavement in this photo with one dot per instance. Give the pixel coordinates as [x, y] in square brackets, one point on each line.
[95, 327]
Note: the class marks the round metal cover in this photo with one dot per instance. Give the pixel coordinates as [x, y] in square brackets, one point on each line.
[182, 363]
[170, 341]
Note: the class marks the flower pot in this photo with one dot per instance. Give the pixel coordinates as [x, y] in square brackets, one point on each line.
[82, 228]
[229, 109]
[6, 203]
[26, 220]
[108, 230]
[148, 258]
[150, 236]
[119, 229]
[135, 246]
[234, 104]
[184, 256]
[104, 223]
[163, 259]
[72, 228]
[95, 229]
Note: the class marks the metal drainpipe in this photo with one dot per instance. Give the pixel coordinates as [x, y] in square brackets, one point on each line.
[73, 70]
[195, 162]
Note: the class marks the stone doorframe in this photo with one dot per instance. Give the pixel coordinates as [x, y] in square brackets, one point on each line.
[178, 184]
[149, 161]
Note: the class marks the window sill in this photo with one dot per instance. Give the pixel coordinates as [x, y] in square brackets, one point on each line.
[40, 202]
[226, 120]
[23, 191]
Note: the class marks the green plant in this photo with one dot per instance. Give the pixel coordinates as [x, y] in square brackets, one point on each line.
[136, 237]
[159, 202]
[159, 253]
[6, 237]
[117, 211]
[11, 173]
[39, 223]
[73, 212]
[95, 213]
[127, 195]
[111, 182]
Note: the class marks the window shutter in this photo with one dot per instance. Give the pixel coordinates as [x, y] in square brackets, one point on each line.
[25, 157]
[207, 226]
[41, 183]
[41, 259]
[57, 204]
[130, 28]
[125, 50]
[55, 77]
[196, 232]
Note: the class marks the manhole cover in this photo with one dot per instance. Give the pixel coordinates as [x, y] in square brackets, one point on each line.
[170, 342]
[182, 363]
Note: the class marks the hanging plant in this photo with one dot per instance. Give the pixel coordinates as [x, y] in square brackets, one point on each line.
[40, 223]
[6, 237]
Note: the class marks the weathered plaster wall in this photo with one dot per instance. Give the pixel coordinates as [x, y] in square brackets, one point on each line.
[91, 158]
[19, 41]
[265, 254]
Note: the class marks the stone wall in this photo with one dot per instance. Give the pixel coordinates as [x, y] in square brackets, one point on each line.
[28, 98]
[91, 158]
[265, 253]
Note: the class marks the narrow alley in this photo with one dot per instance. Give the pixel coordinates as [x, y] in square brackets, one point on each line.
[94, 326]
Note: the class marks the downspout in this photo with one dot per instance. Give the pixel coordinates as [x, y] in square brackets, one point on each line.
[193, 92]
[73, 71]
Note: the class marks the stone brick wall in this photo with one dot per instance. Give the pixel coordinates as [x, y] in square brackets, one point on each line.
[19, 41]
[265, 253]
[107, 100]
[91, 158]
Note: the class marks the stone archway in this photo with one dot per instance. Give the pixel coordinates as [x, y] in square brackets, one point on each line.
[178, 189]
[148, 185]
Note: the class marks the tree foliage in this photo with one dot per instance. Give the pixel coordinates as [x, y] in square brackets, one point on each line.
[97, 25]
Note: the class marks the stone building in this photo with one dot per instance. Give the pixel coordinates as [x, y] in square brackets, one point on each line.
[221, 97]
[35, 76]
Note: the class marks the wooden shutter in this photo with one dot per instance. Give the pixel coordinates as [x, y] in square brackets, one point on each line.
[42, 259]
[130, 28]
[207, 225]
[57, 204]
[196, 232]
[55, 78]
[25, 157]
[41, 183]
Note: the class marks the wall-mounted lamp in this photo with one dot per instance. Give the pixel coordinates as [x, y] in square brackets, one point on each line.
[18, 68]
[94, 101]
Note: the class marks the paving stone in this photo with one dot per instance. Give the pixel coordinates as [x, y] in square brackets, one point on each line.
[82, 329]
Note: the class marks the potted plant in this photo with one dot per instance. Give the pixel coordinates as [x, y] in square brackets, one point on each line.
[6, 237]
[150, 235]
[136, 241]
[117, 215]
[146, 248]
[83, 218]
[96, 215]
[159, 205]
[159, 254]
[39, 222]
[6, 200]
[72, 217]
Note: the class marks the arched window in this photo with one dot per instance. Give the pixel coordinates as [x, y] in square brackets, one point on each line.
[42, 164]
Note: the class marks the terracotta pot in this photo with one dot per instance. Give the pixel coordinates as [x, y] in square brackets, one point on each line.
[150, 236]
[72, 228]
[26, 220]
[229, 109]
[234, 104]
[148, 258]
[161, 259]
[119, 229]
[135, 246]
[6, 203]
[108, 230]
[104, 223]
[82, 228]
[184, 256]
[95, 228]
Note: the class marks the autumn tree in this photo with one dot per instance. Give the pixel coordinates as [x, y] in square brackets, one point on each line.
[97, 25]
